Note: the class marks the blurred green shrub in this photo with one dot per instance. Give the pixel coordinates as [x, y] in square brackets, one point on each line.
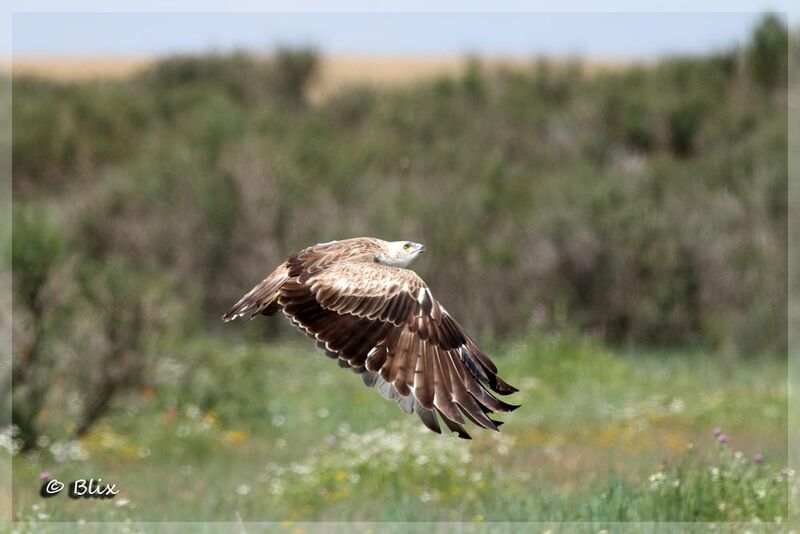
[294, 70]
[435, 470]
[240, 76]
[65, 133]
[767, 55]
[125, 306]
[81, 328]
[684, 123]
[38, 253]
[706, 493]
[473, 80]
[636, 125]
[38, 248]
[646, 204]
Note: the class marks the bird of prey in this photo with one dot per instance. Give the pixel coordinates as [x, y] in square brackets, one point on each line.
[364, 308]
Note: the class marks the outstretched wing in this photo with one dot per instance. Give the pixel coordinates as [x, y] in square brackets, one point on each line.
[384, 322]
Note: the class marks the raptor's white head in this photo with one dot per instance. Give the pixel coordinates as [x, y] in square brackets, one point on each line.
[399, 253]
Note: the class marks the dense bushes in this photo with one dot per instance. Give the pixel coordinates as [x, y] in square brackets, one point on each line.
[768, 54]
[647, 204]
[81, 328]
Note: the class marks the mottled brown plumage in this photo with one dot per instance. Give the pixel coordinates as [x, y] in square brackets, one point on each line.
[360, 304]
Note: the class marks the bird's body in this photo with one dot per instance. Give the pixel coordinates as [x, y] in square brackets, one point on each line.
[364, 308]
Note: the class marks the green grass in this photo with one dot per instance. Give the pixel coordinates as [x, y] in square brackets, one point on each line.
[280, 433]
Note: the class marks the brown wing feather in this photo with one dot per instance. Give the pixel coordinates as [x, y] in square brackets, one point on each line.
[260, 299]
[423, 380]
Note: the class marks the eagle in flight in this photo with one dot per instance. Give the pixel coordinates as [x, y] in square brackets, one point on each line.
[365, 309]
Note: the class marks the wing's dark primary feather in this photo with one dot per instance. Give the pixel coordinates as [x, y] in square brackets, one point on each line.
[384, 323]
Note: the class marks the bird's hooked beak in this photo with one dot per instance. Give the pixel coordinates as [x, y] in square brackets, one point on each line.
[420, 248]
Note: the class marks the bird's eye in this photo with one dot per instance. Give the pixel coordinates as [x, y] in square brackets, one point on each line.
[406, 246]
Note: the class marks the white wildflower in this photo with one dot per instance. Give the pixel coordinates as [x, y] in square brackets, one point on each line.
[301, 469]
[656, 479]
[8, 441]
[193, 412]
[276, 487]
[243, 490]
[529, 383]
[427, 496]
[68, 450]
[677, 406]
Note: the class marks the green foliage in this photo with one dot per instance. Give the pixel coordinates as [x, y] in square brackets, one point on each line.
[278, 432]
[240, 76]
[379, 463]
[684, 123]
[128, 299]
[733, 488]
[38, 253]
[294, 71]
[768, 53]
[636, 125]
[473, 81]
[62, 132]
[38, 247]
[647, 203]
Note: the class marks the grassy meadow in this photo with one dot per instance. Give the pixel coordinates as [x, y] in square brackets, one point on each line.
[616, 239]
[601, 436]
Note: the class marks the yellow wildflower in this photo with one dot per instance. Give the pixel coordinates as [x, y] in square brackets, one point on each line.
[236, 436]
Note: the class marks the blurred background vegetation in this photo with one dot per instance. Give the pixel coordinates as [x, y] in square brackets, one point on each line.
[643, 206]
